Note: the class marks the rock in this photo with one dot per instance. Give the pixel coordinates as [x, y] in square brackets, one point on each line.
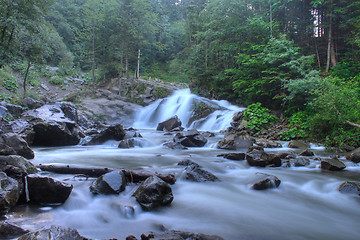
[53, 233]
[298, 144]
[193, 172]
[238, 116]
[17, 143]
[178, 235]
[169, 124]
[301, 162]
[174, 145]
[5, 126]
[350, 188]
[354, 157]
[208, 134]
[69, 110]
[286, 155]
[233, 156]
[262, 181]
[31, 103]
[10, 231]
[333, 164]
[260, 158]
[45, 190]
[6, 150]
[307, 153]
[266, 143]
[190, 138]
[19, 162]
[110, 183]
[153, 193]
[127, 143]
[9, 193]
[235, 141]
[14, 110]
[114, 132]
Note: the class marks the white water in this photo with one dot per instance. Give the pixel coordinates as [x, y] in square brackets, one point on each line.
[182, 104]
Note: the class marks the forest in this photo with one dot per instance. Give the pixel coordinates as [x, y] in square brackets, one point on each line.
[298, 58]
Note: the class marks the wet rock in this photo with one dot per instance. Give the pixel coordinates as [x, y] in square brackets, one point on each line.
[127, 143]
[114, 132]
[53, 233]
[208, 134]
[5, 126]
[238, 116]
[16, 142]
[266, 143]
[14, 110]
[19, 162]
[9, 193]
[286, 155]
[6, 150]
[169, 124]
[307, 153]
[193, 172]
[69, 110]
[354, 157]
[190, 138]
[259, 158]
[233, 156]
[298, 144]
[301, 162]
[110, 183]
[31, 103]
[178, 235]
[333, 164]
[174, 145]
[45, 190]
[262, 181]
[10, 231]
[350, 188]
[126, 211]
[235, 141]
[153, 193]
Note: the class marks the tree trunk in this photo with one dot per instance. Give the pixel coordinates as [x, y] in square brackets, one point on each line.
[93, 57]
[26, 76]
[138, 66]
[127, 66]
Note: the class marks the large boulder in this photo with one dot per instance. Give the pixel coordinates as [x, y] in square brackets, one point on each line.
[45, 190]
[9, 193]
[19, 162]
[14, 110]
[354, 157]
[262, 181]
[332, 164]
[69, 110]
[190, 138]
[114, 132]
[193, 172]
[169, 124]
[259, 158]
[31, 103]
[6, 150]
[53, 233]
[266, 143]
[176, 235]
[110, 183]
[235, 141]
[10, 231]
[301, 162]
[233, 156]
[153, 193]
[5, 126]
[298, 144]
[16, 142]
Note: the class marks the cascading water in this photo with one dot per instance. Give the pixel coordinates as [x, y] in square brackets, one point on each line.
[183, 103]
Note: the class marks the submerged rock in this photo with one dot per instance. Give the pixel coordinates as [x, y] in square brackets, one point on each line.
[169, 124]
[262, 181]
[350, 188]
[10, 231]
[190, 138]
[110, 183]
[53, 233]
[333, 164]
[127, 143]
[153, 193]
[193, 172]
[45, 190]
[177, 235]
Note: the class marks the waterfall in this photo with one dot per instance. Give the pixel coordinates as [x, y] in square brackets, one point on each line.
[183, 104]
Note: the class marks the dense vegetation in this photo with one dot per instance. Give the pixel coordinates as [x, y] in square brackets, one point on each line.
[300, 57]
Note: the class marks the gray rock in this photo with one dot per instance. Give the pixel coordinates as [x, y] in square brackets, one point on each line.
[10, 231]
[301, 162]
[174, 145]
[53, 233]
[16, 142]
[233, 156]
[5, 126]
[194, 172]
[19, 162]
[110, 183]
[46, 190]
[169, 124]
[14, 110]
[69, 110]
[262, 181]
[266, 143]
[127, 143]
[333, 164]
[177, 235]
[9, 193]
[190, 138]
[114, 132]
[307, 153]
[350, 188]
[235, 141]
[260, 158]
[354, 157]
[153, 193]
[6, 150]
[31, 103]
[298, 144]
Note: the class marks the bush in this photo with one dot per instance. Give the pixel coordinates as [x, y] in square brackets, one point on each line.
[258, 117]
[299, 127]
[8, 81]
[56, 80]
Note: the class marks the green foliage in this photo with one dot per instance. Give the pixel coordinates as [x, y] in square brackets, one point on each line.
[6, 97]
[299, 127]
[258, 117]
[56, 80]
[7, 80]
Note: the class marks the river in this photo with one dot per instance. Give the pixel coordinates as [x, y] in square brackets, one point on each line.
[307, 204]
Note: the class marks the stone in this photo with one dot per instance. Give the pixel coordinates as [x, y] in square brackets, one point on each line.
[266, 143]
[17, 161]
[301, 162]
[262, 181]
[194, 172]
[333, 164]
[9, 193]
[169, 124]
[11, 231]
[233, 156]
[350, 188]
[298, 144]
[235, 141]
[45, 190]
[6, 150]
[178, 235]
[5, 126]
[114, 132]
[14, 110]
[174, 145]
[354, 157]
[153, 193]
[16, 142]
[110, 183]
[190, 138]
[307, 153]
[260, 158]
[127, 143]
[53, 233]
[31, 103]
[69, 110]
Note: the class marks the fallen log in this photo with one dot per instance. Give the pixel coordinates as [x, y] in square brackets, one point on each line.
[132, 176]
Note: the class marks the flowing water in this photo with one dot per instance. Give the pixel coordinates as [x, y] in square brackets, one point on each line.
[307, 204]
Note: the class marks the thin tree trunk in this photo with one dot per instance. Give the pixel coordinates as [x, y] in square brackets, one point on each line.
[93, 57]
[317, 55]
[271, 21]
[138, 66]
[127, 66]
[329, 49]
[26, 76]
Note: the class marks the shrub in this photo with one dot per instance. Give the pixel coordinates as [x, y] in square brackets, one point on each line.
[258, 117]
[56, 80]
[8, 81]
